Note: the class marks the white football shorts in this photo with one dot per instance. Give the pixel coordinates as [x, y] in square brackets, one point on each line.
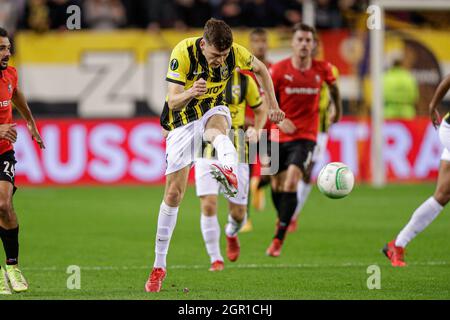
[183, 143]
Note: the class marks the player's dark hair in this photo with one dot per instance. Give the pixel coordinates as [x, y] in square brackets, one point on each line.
[3, 33]
[305, 27]
[258, 32]
[218, 34]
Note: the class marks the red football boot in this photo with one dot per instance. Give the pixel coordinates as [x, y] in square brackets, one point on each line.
[217, 266]
[274, 249]
[395, 254]
[233, 248]
[225, 176]
[154, 282]
[292, 226]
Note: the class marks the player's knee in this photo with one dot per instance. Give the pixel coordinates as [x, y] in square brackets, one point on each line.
[442, 195]
[276, 185]
[5, 209]
[290, 185]
[238, 212]
[173, 197]
[210, 134]
[209, 208]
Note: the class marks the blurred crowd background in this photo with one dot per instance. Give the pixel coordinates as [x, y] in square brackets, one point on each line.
[98, 92]
[44, 15]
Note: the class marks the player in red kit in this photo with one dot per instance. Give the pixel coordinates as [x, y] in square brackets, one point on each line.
[9, 228]
[297, 81]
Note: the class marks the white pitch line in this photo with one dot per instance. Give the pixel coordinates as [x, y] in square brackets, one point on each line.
[238, 266]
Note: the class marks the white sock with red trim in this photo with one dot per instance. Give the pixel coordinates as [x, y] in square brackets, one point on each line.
[421, 218]
[167, 220]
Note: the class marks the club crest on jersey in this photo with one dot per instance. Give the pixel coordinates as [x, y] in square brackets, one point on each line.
[10, 88]
[317, 78]
[236, 91]
[224, 72]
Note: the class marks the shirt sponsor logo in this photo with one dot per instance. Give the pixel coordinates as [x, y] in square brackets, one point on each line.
[5, 103]
[236, 90]
[309, 91]
[213, 90]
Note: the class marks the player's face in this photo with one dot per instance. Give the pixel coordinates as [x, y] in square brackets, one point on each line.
[258, 45]
[303, 44]
[214, 57]
[5, 53]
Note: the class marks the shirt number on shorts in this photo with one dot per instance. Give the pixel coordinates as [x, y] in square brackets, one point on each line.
[9, 169]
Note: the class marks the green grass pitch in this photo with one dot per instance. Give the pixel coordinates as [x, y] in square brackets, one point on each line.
[109, 233]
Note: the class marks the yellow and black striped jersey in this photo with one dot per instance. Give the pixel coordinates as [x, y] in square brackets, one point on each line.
[241, 91]
[324, 103]
[187, 65]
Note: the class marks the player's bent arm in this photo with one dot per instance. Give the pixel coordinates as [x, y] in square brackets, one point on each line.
[336, 96]
[260, 117]
[21, 104]
[439, 94]
[261, 71]
[177, 96]
[441, 90]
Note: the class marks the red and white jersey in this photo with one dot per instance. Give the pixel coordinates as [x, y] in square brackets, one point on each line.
[298, 94]
[8, 84]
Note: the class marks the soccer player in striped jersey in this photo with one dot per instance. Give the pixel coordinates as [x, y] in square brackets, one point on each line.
[430, 209]
[326, 111]
[241, 91]
[194, 111]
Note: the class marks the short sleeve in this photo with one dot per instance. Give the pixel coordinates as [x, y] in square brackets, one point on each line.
[178, 65]
[329, 76]
[244, 59]
[13, 73]
[253, 96]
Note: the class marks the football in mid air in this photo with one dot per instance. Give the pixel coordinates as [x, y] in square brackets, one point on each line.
[335, 180]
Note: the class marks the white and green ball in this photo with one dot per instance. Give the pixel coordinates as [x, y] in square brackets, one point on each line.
[335, 180]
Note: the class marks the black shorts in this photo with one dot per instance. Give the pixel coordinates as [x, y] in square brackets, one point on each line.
[7, 167]
[298, 152]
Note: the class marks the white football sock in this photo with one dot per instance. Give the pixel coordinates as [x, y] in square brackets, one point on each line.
[166, 223]
[211, 235]
[420, 219]
[225, 150]
[303, 190]
[232, 228]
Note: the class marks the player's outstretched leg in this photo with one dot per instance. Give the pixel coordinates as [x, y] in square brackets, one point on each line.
[168, 212]
[216, 132]
[421, 218]
[210, 227]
